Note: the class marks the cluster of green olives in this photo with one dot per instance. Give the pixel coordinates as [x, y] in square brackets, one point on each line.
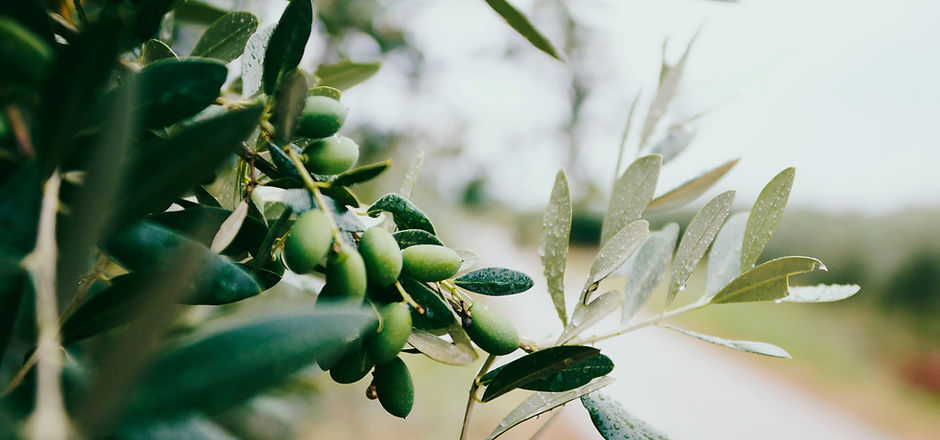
[367, 269]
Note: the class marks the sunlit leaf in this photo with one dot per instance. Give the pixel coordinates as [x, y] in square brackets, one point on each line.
[765, 217]
[535, 366]
[613, 422]
[226, 37]
[676, 141]
[286, 45]
[542, 402]
[202, 223]
[252, 61]
[469, 260]
[748, 346]
[647, 268]
[691, 189]
[695, 241]
[724, 259]
[361, 174]
[570, 378]
[553, 242]
[821, 293]
[768, 281]
[405, 213]
[632, 192]
[441, 350]
[615, 252]
[591, 313]
[495, 281]
[521, 24]
[345, 74]
[289, 104]
[230, 228]
[668, 88]
[411, 178]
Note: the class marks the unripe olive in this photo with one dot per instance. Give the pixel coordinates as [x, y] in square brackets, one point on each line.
[428, 262]
[384, 345]
[345, 276]
[322, 117]
[490, 331]
[382, 256]
[394, 388]
[308, 241]
[331, 155]
[354, 365]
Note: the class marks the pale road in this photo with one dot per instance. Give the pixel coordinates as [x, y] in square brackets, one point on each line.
[689, 389]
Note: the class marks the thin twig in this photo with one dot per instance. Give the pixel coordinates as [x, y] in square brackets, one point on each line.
[652, 321]
[472, 399]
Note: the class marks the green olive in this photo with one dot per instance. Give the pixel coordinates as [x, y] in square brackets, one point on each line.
[384, 345]
[394, 388]
[428, 262]
[382, 255]
[491, 332]
[331, 155]
[354, 365]
[308, 241]
[322, 117]
[30, 55]
[345, 276]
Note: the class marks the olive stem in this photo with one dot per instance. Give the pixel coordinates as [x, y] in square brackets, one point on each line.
[314, 188]
[454, 291]
[472, 399]
[408, 299]
[642, 324]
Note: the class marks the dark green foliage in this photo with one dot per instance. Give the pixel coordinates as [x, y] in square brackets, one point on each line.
[411, 237]
[437, 314]
[286, 46]
[535, 366]
[171, 89]
[568, 379]
[495, 281]
[405, 213]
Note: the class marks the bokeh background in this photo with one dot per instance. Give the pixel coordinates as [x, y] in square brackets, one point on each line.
[844, 90]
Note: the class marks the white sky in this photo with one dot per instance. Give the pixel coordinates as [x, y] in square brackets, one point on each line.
[845, 90]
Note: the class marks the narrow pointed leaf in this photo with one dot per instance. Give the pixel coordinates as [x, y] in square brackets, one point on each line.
[521, 24]
[411, 237]
[553, 242]
[405, 213]
[570, 378]
[345, 74]
[495, 281]
[616, 252]
[543, 402]
[586, 316]
[156, 50]
[437, 313]
[287, 43]
[676, 141]
[411, 177]
[765, 217]
[821, 293]
[668, 88]
[695, 241]
[747, 346]
[768, 281]
[724, 259]
[253, 61]
[632, 192]
[613, 422]
[230, 228]
[534, 366]
[647, 268]
[171, 89]
[361, 174]
[442, 351]
[691, 189]
[289, 104]
[226, 37]
[203, 223]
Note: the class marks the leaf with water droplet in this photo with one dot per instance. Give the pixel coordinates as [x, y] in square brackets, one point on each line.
[724, 259]
[613, 422]
[495, 281]
[615, 253]
[287, 43]
[411, 177]
[568, 379]
[535, 366]
[647, 268]
[668, 88]
[632, 192]
[695, 241]
[747, 346]
[592, 313]
[405, 213]
[765, 216]
[226, 37]
[821, 293]
[766, 282]
[540, 403]
[553, 242]
[691, 189]
[252, 69]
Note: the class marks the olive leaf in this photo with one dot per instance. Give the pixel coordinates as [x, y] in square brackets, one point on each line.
[289, 104]
[614, 254]
[253, 60]
[632, 192]
[155, 50]
[495, 281]
[768, 281]
[676, 141]
[361, 174]
[591, 313]
[286, 45]
[821, 293]
[747, 346]
[521, 24]
[543, 402]
[173, 89]
[460, 352]
[534, 366]
[229, 228]
[411, 237]
[765, 217]
[614, 422]
[202, 223]
[553, 242]
[647, 268]
[411, 177]
[327, 91]
[437, 314]
[668, 88]
[691, 189]
[405, 213]
[226, 37]
[698, 236]
[345, 74]
[724, 259]
[570, 378]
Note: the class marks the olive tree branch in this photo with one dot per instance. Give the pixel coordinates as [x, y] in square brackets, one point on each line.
[472, 399]
[642, 324]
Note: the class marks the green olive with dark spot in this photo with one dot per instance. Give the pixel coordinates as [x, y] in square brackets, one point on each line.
[331, 155]
[394, 387]
[308, 241]
[322, 117]
[491, 332]
[353, 366]
[382, 256]
[385, 344]
[345, 276]
[428, 262]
